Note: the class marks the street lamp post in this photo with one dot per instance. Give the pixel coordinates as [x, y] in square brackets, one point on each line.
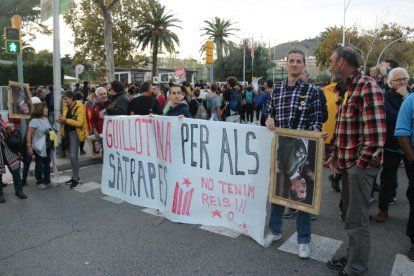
[389, 44]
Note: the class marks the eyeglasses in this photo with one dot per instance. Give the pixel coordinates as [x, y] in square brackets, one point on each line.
[401, 79]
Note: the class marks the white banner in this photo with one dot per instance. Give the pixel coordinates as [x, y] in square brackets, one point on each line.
[193, 171]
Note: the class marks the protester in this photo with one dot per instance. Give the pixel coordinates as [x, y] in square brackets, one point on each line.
[156, 90]
[97, 118]
[179, 106]
[7, 157]
[262, 101]
[72, 121]
[146, 103]
[119, 100]
[233, 102]
[392, 154]
[215, 103]
[195, 102]
[37, 144]
[356, 153]
[293, 104]
[50, 102]
[249, 99]
[404, 131]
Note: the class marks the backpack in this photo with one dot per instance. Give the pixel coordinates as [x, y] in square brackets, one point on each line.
[235, 102]
[249, 97]
[201, 111]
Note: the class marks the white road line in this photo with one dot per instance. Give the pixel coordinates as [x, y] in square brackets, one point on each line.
[402, 266]
[83, 188]
[221, 231]
[113, 199]
[322, 248]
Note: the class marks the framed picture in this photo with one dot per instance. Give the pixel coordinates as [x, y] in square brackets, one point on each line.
[296, 169]
[19, 100]
[95, 144]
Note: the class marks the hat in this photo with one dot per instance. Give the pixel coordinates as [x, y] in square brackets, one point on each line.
[36, 100]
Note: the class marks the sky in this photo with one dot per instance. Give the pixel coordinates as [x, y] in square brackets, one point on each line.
[269, 21]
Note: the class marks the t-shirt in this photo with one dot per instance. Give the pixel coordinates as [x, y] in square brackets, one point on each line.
[145, 105]
[215, 102]
[39, 135]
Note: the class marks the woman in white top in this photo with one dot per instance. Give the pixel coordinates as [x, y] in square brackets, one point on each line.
[38, 143]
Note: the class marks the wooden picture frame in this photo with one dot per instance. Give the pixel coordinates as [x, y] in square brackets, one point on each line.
[19, 100]
[296, 169]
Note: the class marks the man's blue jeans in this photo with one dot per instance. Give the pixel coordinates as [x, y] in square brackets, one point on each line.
[303, 223]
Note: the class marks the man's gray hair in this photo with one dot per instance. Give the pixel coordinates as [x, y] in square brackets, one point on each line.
[395, 70]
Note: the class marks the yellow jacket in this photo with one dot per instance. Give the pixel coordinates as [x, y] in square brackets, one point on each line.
[331, 99]
[78, 123]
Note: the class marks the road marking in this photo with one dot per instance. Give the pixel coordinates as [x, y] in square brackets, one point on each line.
[221, 231]
[153, 212]
[402, 266]
[113, 199]
[83, 188]
[322, 248]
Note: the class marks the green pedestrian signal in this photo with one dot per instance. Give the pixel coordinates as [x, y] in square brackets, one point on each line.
[13, 47]
[13, 41]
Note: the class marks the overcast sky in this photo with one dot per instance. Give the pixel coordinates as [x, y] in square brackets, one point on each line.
[274, 21]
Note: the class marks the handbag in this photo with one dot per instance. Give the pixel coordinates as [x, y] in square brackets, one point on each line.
[14, 139]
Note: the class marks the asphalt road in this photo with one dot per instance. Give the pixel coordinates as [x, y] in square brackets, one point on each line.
[62, 232]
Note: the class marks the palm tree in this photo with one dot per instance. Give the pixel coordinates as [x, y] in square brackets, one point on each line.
[154, 31]
[219, 30]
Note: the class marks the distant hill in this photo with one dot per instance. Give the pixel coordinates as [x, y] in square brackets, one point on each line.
[308, 46]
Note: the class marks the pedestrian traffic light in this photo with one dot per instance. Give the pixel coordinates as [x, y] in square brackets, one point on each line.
[13, 43]
[209, 52]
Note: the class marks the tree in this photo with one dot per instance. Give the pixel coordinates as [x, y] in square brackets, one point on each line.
[232, 64]
[220, 31]
[154, 31]
[369, 44]
[89, 34]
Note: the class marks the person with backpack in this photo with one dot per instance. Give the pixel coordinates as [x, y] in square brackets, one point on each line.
[249, 98]
[233, 101]
[198, 106]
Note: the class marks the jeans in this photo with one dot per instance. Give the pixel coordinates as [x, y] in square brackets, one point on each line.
[249, 112]
[42, 168]
[303, 223]
[356, 190]
[74, 151]
[410, 196]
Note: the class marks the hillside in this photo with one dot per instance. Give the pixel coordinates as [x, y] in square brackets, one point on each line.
[308, 46]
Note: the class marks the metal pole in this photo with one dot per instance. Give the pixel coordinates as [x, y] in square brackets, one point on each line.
[57, 85]
[343, 26]
[244, 60]
[211, 73]
[388, 45]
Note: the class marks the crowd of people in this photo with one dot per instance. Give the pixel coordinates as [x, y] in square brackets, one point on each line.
[366, 122]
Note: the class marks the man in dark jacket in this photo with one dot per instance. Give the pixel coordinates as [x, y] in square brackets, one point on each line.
[119, 101]
[179, 107]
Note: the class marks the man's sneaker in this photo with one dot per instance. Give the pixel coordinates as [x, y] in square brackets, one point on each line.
[289, 213]
[82, 152]
[410, 253]
[70, 181]
[270, 238]
[337, 264]
[392, 201]
[372, 199]
[74, 184]
[304, 251]
[41, 186]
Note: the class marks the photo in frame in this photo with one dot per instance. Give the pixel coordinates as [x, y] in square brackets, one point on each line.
[296, 169]
[95, 145]
[19, 100]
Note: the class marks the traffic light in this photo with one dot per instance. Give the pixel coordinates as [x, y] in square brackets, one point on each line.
[12, 41]
[209, 52]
